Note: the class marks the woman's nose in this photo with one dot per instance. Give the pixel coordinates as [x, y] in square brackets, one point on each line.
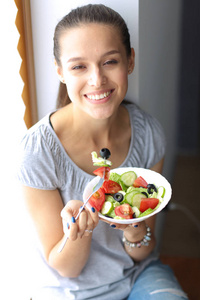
[96, 77]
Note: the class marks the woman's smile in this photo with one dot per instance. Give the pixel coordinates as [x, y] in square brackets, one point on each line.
[101, 96]
[96, 74]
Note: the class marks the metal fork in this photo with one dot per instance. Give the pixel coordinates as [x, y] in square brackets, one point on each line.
[99, 184]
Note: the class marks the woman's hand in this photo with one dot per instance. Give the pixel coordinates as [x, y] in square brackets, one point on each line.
[123, 227]
[84, 225]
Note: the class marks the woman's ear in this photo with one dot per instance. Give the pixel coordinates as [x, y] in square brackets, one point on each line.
[59, 71]
[131, 62]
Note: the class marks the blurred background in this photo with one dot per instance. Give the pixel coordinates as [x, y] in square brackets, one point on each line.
[165, 83]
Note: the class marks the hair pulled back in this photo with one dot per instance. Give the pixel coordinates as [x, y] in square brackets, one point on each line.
[91, 13]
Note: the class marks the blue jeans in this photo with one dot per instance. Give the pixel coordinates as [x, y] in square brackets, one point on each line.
[157, 282]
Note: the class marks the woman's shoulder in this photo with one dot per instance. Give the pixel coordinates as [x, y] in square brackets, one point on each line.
[148, 137]
[144, 119]
[36, 137]
[39, 127]
[40, 156]
[136, 110]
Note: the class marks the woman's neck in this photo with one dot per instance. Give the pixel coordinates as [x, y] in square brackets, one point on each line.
[80, 135]
[75, 121]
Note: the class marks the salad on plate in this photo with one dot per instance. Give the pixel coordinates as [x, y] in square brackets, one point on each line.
[127, 195]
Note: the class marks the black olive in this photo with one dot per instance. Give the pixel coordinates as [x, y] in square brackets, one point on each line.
[144, 193]
[150, 188]
[118, 197]
[105, 153]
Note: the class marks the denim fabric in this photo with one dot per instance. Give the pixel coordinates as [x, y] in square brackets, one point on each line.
[157, 282]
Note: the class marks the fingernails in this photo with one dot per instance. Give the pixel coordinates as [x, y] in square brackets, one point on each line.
[113, 225]
[93, 209]
[135, 225]
[73, 220]
[67, 225]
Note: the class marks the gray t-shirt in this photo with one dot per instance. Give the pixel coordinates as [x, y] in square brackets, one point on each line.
[110, 272]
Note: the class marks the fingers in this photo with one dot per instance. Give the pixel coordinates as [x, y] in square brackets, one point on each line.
[69, 223]
[94, 216]
[84, 223]
[135, 225]
[88, 220]
[83, 226]
[118, 226]
[124, 227]
[73, 229]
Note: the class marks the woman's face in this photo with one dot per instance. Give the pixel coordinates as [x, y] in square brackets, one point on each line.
[95, 68]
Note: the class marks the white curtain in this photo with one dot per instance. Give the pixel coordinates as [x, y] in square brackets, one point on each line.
[12, 128]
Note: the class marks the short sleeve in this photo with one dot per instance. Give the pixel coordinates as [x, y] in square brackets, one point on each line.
[155, 141]
[39, 161]
[148, 141]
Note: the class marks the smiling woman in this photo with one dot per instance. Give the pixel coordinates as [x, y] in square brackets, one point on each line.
[45, 16]
[55, 165]
[95, 77]
[95, 65]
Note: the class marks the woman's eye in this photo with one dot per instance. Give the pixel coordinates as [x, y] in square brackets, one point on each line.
[78, 67]
[110, 62]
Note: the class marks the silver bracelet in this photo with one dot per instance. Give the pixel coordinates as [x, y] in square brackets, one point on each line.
[144, 242]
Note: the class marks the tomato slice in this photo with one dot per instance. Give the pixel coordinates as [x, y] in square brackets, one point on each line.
[111, 187]
[124, 211]
[148, 203]
[100, 171]
[140, 182]
[97, 199]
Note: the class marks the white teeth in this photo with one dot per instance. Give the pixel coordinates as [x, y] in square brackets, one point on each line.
[98, 97]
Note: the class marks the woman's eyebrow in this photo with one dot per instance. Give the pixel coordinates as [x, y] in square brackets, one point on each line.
[75, 59]
[82, 58]
[111, 52]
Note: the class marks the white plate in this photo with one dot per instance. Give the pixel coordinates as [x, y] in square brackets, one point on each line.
[150, 177]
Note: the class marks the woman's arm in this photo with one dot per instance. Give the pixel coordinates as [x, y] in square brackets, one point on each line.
[45, 208]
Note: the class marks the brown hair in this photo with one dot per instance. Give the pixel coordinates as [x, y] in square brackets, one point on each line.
[91, 13]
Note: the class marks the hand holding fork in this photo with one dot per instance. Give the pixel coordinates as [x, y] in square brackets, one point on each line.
[96, 188]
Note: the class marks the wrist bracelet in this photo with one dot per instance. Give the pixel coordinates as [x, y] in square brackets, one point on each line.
[144, 242]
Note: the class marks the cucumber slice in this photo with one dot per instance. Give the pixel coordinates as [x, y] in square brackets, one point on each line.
[112, 214]
[112, 200]
[109, 198]
[161, 193]
[137, 199]
[134, 198]
[107, 208]
[128, 178]
[136, 211]
[129, 196]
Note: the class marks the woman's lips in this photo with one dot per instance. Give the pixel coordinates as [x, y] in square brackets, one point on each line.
[99, 96]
